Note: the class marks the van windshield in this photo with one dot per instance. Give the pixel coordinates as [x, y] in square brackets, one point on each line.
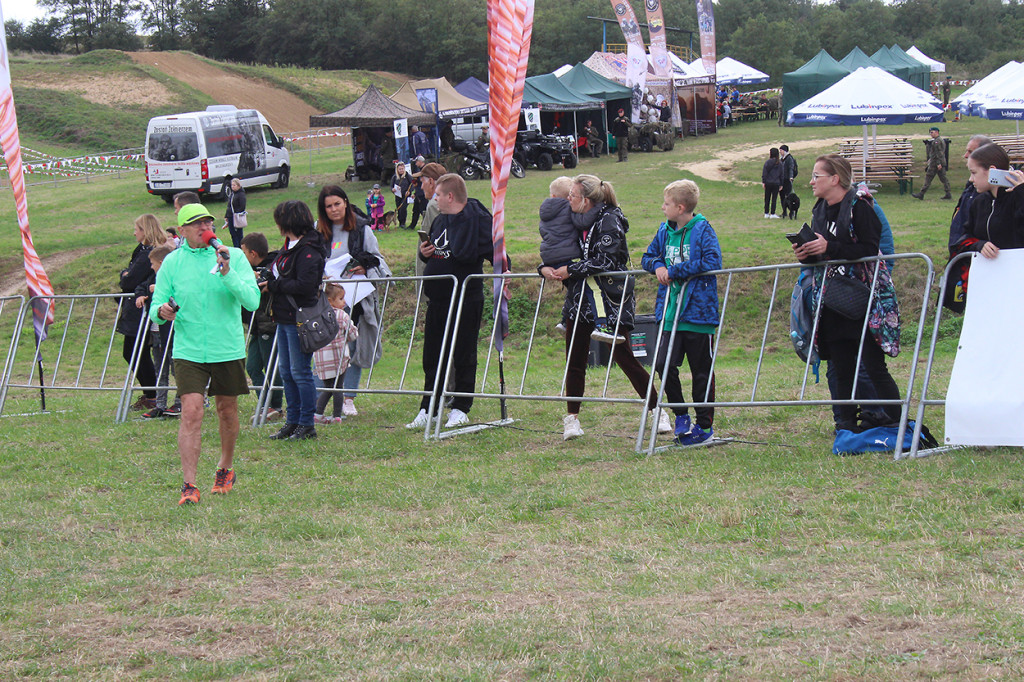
[172, 146]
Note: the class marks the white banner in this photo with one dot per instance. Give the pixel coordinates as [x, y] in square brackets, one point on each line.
[985, 400]
[532, 116]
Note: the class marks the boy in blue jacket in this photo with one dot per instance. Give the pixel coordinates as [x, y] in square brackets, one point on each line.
[686, 246]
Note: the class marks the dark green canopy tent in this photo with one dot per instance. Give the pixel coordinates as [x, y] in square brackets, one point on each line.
[821, 72]
[587, 81]
[896, 66]
[856, 59]
[920, 74]
[551, 94]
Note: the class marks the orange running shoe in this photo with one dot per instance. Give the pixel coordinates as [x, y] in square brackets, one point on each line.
[189, 494]
[224, 481]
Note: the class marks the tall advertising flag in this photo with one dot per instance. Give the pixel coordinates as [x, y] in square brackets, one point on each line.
[659, 44]
[706, 25]
[35, 275]
[636, 54]
[509, 29]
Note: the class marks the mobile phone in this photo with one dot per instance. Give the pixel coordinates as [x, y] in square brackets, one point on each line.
[806, 234]
[998, 177]
[424, 235]
[173, 304]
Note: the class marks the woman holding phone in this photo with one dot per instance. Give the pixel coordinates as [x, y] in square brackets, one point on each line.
[996, 217]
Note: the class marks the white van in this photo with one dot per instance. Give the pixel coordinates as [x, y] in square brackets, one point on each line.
[198, 150]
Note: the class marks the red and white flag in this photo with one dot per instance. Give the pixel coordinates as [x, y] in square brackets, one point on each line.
[38, 283]
[509, 29]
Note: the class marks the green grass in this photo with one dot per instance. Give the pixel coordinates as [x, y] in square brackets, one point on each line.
[509, 554]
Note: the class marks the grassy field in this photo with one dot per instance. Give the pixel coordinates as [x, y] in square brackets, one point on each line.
[509, 554]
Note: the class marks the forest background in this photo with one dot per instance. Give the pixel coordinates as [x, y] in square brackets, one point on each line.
[448, 37]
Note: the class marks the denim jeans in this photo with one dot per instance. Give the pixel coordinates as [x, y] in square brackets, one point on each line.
[296, 370]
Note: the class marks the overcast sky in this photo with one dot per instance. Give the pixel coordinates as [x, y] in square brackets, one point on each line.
[22, 10]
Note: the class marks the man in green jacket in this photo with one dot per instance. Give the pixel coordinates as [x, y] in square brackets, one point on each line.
[199, 290]
[936, 147]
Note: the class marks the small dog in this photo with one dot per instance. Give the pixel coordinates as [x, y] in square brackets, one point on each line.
[790, 206]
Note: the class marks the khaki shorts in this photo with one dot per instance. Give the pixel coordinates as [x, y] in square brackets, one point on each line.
[223, 378]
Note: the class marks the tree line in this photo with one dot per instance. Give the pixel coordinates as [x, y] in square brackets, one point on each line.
[449, 37]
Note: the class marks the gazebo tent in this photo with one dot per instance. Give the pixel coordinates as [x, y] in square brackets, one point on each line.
[474, 89]
[896, 62]
[587, 81]
[857, 59]
[969, 97]
[820, 72]
[732, 72]
[450, 103]
[371, 116]
[923, 72]
[552, 94]
[935, 65]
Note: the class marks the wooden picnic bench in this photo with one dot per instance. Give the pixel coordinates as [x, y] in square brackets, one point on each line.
[888, 161]
[1013, 145]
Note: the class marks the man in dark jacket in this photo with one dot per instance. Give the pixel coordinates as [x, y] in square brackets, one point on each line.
[936, 147]
[620, 130]
[460, 241]
[789, 170]
[262, 327]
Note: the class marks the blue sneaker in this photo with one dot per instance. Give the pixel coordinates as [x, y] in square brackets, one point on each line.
[695, 436]
[682, 425]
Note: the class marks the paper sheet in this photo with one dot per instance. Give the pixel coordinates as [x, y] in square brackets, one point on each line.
[356, 287]
[985, 400]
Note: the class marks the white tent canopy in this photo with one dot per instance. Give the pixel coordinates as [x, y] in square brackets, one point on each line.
[935, 65]
[731, 72]
[973, 95]
[562, 70]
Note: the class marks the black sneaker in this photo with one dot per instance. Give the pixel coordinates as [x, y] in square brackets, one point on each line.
[286, 431]
[303, 432]
[155, 413]
[173, 410]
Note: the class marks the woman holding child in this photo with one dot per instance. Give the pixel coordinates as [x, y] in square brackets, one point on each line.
[847, 229]
[349, 234]
[294, 282]
[602, 306]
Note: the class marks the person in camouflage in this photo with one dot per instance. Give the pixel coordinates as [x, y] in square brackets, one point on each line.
[936, 147]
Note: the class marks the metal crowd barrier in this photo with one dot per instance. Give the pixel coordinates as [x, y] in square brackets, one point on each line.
[10, 321]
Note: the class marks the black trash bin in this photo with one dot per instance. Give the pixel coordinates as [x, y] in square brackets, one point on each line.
[643, 339]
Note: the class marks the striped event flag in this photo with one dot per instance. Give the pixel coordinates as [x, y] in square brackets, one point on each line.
[38, 282]
[509, 28]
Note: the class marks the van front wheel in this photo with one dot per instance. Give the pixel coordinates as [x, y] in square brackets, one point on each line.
[282, 178]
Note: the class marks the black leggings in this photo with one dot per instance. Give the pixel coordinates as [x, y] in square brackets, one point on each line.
[145, 373]
[843, 357]
[771, 193]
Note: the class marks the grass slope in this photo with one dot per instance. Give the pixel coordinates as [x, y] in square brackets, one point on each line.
[508, 554]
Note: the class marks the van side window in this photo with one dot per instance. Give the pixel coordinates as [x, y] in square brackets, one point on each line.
[269, 136]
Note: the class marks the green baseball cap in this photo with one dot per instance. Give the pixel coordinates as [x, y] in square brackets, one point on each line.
[190, 213]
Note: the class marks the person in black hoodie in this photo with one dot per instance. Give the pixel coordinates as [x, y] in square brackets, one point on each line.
[294, 281]
[261, 325]
[460, 241]
[996, 216]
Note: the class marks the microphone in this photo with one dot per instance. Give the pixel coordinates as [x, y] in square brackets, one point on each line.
[211, 240]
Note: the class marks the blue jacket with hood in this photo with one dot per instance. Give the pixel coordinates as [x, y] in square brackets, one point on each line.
[701, 304]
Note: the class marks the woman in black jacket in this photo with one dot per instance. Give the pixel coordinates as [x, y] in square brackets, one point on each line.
[847, 229]
[294, 282]
[771, 180]
[236, 204]
[996, 216]
[148, 234]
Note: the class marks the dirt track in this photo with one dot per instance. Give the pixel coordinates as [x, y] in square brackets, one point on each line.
[286, 112]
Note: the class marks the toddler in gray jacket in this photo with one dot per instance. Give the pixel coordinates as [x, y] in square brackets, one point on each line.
[560, 238]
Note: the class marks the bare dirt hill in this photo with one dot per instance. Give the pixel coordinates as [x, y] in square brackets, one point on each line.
[286, 112]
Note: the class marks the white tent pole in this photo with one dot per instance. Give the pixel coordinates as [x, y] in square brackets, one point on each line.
[575, 137]
[874, 135]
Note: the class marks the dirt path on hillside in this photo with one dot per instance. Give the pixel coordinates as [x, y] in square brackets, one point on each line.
[723, 166]
[14, 283]
[286, 112]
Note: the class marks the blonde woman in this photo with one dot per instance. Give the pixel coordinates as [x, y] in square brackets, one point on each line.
[148, 235]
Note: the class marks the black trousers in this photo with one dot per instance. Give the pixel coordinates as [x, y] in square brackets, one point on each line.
[463, 361]
[401, 208]
[577, 349]
[843, 357]
[771, 192]
[145, 373]
[418, 208]
[697, 350]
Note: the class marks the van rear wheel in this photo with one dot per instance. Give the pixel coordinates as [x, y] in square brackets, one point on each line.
[282, 178]
[168, 198]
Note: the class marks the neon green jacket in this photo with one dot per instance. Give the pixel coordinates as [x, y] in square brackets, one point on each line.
[208, 327]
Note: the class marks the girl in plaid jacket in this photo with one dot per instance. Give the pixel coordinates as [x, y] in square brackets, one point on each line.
[331, 361]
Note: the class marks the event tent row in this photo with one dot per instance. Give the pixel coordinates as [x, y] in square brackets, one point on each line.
[823, 70]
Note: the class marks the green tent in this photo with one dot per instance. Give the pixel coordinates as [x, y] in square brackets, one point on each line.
[821, 72]
[857, 59]
[552, 94]
[587, 81]
[921, 74]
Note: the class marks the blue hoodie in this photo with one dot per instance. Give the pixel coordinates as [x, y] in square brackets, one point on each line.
[705, 254]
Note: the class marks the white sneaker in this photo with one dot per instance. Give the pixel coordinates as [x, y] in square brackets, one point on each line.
[456, 418]
[765, 215]
[664, 424]
[772, 215]
[571, 427]
[419, 422]
[348, 408]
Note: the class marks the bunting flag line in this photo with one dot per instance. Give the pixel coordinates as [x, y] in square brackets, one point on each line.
[509, 31]
[659, 42]
[636, 54]
[38, 283]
